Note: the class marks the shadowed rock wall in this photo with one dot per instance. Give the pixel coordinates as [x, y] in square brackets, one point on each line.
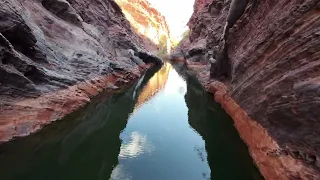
[56, 54]
[274, 52]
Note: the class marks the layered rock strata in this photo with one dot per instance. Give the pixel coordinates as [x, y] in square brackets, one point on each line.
[147, 20]
[272, 91]
[56, 54]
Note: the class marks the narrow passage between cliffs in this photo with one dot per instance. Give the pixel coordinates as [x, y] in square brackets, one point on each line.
[165, 127]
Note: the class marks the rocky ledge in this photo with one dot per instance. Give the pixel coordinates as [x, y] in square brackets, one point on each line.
[267, 78]
[56, 54]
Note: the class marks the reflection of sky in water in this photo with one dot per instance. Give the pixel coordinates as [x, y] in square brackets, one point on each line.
[175, 84]
[119, 173]
[137, 145]
[133, 146]
[158, 142]
[174, 88]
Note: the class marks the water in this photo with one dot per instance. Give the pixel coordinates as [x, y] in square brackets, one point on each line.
[163, 128]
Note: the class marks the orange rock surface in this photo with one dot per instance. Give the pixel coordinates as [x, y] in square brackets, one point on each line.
[146, 20]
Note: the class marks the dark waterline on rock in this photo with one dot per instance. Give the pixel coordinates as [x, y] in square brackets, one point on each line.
[164, 127]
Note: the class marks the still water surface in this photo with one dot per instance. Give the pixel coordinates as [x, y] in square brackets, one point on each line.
[163, 128]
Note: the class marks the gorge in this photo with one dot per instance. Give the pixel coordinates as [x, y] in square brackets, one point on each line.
[238, 103]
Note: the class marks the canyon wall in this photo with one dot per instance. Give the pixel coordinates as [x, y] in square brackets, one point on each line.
[57, 54]
[147, 21]
[273, 89]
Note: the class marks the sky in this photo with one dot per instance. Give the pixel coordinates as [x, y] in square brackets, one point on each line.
[176, 12]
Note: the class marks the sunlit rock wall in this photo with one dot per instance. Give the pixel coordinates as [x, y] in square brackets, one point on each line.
[147, 21]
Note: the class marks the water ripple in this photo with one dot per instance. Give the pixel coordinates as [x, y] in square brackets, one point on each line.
[137, 145]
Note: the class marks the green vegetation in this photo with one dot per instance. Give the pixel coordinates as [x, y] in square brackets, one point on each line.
[175, 42]
[163, 46]
[185, 34]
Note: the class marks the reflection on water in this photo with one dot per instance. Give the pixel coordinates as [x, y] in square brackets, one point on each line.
[137, 144]
[158, 140]
[154, 85]
[164, 127]
[227, 155]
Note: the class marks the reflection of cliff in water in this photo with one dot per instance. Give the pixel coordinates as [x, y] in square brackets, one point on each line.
[227, 155]
[154, 85]
[84, 145]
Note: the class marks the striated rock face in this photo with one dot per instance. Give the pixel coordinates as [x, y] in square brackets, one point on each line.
[147, 21]
[56, 54]
[274, 53]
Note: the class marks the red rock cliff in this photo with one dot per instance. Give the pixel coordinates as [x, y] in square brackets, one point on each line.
[56, 54]
[274, 86]
[146, 20]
